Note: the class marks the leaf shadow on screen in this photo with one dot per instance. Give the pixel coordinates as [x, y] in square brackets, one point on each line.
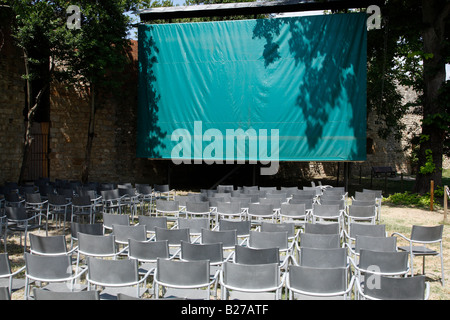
[320, 90]
[149, 122]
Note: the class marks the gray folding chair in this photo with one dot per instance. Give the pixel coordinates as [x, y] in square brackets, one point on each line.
[42, 294]
[54, 270]
[123, 233]
[113, 218]
[320, 241]
[255, 281]
[116, 276]
[229, 210]
[320, 283]
[151, 222]
[294, 213]
[394, 288]
[228, 238]
[373, 264]
[147, 253]
[89, 228]
[246, 255]
[322, 228]
[194, 209]
[9, 279]
[49, 245]
[167, 208]
[183, 279]
[421, 236]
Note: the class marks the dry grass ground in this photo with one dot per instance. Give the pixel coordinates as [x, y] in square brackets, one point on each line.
[397, 219]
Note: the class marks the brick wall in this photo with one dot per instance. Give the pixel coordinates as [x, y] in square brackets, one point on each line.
[12, 102]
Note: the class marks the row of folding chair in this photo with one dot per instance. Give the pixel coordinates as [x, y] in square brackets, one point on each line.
[317, 251]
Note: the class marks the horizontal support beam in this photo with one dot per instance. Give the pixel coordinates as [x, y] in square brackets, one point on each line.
[250, 8]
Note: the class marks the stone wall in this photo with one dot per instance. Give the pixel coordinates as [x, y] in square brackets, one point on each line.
[12, 103]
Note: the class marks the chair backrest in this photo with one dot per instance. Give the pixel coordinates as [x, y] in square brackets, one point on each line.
[33, 197]
[167, 205]
[229, 207]
[47, 244]
[89, 228]
[5, 266]
[273, 239]
[307, 202]
[213, 252]
[278, 227]
[246, 255]
[330, 197]
[251, 277]
[195, 225]
[304, 195]
[384, 262]
[183, 273]
[397, 288]
[330, 202]
[197, 207]
[4, 294]
[289, 190]
[364, 202]
[318, 280]
[385, 244]
[322, 228]
[364, 229]
[112, 194]
[81, 201]
[427, 233]
[42, 294]
[161, 188]
[275, 202]
[151, 222]
[365, 196]
[323, 210]
[16, 213]
[173, 236]
[228, 238]
[361, 211]
[323, 258]
[96, 245]
[242, 227]
[148, 250]
[291, 209]
[56, 199]
[48, 267]
[378, 193]
[257, 209]
[334, 190]
[144, 189]
[225, 188]
[122, 233]
[113, 218]
[112, 272]
[321, 241]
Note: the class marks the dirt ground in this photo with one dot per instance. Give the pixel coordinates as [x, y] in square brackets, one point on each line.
[396, 219]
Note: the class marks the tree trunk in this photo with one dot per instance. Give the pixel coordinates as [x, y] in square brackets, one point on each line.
[31, 111]
[434, 13]
[90, 138]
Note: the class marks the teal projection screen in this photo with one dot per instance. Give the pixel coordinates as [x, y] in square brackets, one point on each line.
[301, 80]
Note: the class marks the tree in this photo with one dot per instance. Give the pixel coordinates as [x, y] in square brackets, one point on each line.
[435, 35]
[415, 38]
[99, 55]
[38, 28]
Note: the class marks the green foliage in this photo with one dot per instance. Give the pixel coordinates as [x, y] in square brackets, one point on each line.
[429, 166]
[409, 199]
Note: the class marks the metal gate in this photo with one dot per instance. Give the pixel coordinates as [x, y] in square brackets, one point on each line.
[38, 162]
